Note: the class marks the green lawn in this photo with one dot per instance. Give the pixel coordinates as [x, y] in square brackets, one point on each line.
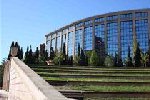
[95, 79]
[111, 88]
[81, 75]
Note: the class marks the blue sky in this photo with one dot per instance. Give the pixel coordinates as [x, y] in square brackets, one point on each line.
[28, 21]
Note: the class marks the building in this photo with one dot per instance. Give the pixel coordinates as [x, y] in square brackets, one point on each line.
[107, 33]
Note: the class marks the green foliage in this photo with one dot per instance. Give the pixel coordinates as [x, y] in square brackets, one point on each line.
[94, 59]
[118, 61]
[52, 53]
[88, 55]
[76, 60]
[145, 58]
[109, 61]
[129, 59]
[58, 59]
[137, 57]
[83, 59]
[37, 52]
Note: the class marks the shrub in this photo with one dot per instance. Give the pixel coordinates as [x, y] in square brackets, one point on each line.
[58, 58]
[94, 59]
[109, 61]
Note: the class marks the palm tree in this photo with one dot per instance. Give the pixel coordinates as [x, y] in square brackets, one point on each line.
[144, 59]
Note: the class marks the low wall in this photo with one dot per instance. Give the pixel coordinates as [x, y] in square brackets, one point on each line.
[25, 84]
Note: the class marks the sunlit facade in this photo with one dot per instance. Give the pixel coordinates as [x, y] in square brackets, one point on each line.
[108, 34]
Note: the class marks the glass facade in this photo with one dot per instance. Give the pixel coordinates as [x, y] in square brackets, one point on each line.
[78, 40]
[113, 33]
[58, 43]
[100, 39]
[126, 16]
[48, 47]
[126, 32]
[70, 43]
[141, 14]
[142, 34]
[53, 44]
[88, 38]
[112, 38]
[114, 17]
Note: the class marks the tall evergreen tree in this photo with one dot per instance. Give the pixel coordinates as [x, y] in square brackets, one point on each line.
[52, 53]
[137, 57]
[37, 53]
[27, 56]
[46, 55]
[16, 44]
[30, 55]
[82, 58]
[116, 60]
[134, 45]
[129, 59]
[21, 53]
[78, 49]
[12, 44]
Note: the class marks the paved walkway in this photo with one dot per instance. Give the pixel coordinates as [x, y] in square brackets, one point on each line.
[3, 95]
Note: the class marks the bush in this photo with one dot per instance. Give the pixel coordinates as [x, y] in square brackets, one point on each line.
[109, 61]
[94, 59]
[58, 58]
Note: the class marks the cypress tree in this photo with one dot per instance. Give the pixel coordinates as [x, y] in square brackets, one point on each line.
[129, 59]
[16, 44]
[27, 56]
[82, 58]
[116, 60]
[78, 49]
[37, 55]
[137, 57]
[12, 44]
[46, 55]
[21, 53]
[51, 53]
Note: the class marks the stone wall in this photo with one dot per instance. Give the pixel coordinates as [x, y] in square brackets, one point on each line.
[25, 84]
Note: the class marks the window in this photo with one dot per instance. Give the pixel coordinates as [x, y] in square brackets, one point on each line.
[70, 43]
[79, 24]
[126, 38]
[53, 43]
[88, 22]
[99, 39]
[112, 38]
[114, 17]
[88, 38]
[142, 34]
[78, 40]
[141, 14]
[58, 43]
[124, 16]
[99, 19]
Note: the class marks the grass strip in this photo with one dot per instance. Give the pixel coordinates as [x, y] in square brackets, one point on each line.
[126, 75]
[94, 79]
[112, 88]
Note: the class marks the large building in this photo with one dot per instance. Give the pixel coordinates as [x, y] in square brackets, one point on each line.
[107, 33]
